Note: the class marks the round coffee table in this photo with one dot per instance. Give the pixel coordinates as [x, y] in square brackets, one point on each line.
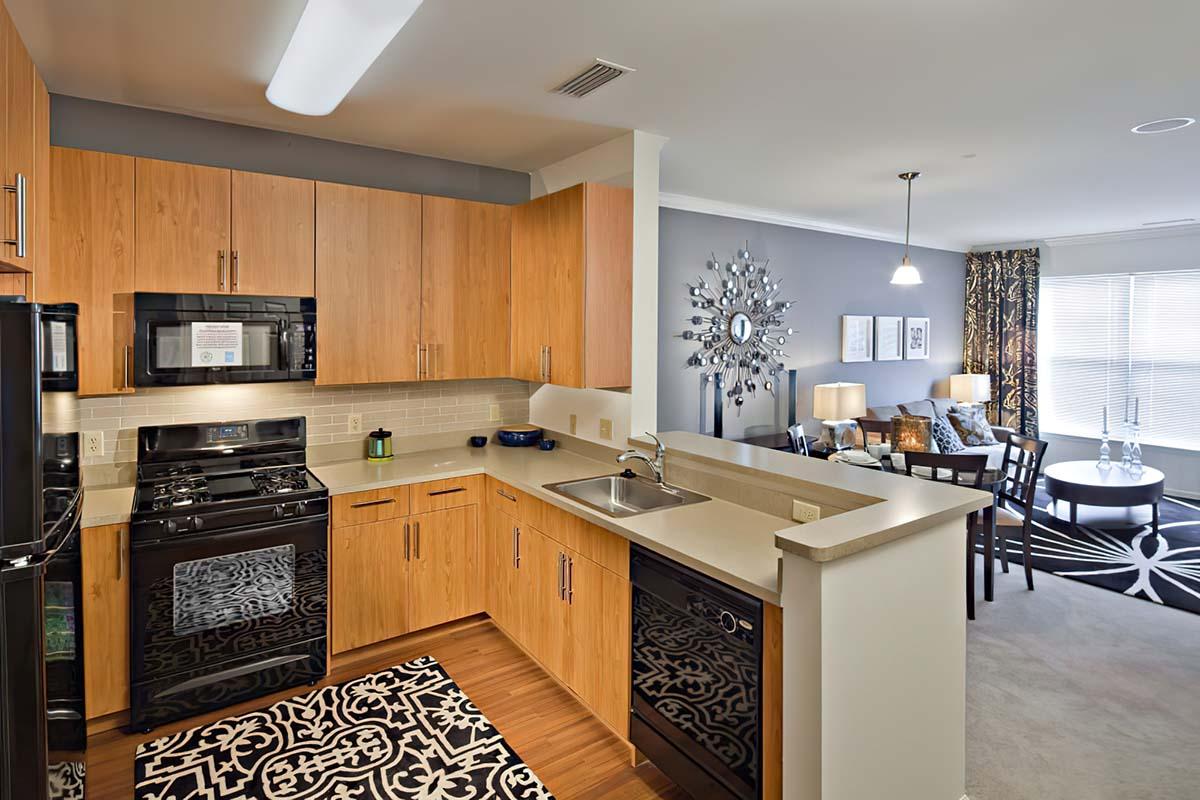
[1083, 483]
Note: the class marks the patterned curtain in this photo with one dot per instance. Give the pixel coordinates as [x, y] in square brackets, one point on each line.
[1000, 333]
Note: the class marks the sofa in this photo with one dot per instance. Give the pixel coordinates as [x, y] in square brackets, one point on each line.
[939, 407]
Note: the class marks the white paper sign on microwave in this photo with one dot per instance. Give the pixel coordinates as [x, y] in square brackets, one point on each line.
[216, 344]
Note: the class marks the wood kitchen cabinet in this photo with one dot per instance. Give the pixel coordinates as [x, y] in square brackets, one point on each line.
[23, 133]
[572, 272]
[105, 554]
[464, 288]
[368, 264]
[597, 639]
[444, 577]
[271, 235]
[182, 221]
[368, 582]
[542, 603]
[91, 260]
[503, 554]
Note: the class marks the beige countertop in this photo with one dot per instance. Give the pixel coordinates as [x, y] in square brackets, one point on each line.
[725, 541]
[890, 506]
[106, 505]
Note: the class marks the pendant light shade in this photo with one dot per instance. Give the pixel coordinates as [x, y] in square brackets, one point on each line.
[906, 274]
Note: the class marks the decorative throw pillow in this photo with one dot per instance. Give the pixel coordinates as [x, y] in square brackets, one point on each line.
[972, 426]
[945, 436]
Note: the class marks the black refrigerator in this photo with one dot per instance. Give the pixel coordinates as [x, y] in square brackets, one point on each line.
[42, 723]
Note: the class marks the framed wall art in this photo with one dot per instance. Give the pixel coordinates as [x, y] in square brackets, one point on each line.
[858, 338]
[889, 338]
[916, 338]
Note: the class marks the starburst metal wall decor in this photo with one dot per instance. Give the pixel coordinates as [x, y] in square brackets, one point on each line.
[738, 326]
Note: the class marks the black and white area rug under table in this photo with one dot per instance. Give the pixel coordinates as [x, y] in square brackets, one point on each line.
[403, 733]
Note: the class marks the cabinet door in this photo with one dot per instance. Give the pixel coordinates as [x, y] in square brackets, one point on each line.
[464, 288]
[91, 258]
[608, 334]
[271, 235]
[543, 610]
[368, 583]
[40, 197]
[105, 552]
[182, 222]
[444, 572]
[597, 660]
[368, 284]
[547, 288]
[19, 159]
[503, 571]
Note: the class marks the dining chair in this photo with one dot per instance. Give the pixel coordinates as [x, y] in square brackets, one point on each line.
[1021, 466]
[869, 425]
[796, 438]
[963, 470]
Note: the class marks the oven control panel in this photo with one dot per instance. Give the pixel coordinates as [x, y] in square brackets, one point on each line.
[223, 434]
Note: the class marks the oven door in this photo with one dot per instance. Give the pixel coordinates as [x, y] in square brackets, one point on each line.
[215, 616]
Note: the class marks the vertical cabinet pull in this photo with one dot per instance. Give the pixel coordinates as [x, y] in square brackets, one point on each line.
[18, 188]
[125, 366]
[235, 270]
[549, 363]
[406, 548]
[122, 553]
[570, 580]
[221, 270]
[417, 540]
[420, 352]
[561, 588]
[516, 543]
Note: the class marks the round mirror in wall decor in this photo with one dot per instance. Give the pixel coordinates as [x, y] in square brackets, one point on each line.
[737, 326]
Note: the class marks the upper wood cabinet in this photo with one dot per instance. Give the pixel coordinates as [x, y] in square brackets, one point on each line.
[22, 133]
[91, 259]
[272, 249]
[464, 288]
[213, 230]
[368, 284]
[572, 272]
[182, 222]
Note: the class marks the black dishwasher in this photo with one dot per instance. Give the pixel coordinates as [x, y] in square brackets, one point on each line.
[697, 669]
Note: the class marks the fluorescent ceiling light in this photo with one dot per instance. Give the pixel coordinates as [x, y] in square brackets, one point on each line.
[334, 43]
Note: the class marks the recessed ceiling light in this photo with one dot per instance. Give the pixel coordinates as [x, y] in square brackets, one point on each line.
[1163, 125]
[1179, 221]
[334, 43]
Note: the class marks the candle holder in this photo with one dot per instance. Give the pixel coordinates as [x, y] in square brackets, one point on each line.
[912, 434]
[1105, 463]
[1135, 450]
[1126, 450]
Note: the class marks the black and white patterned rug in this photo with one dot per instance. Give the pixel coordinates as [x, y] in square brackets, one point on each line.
[1163, 569]
[407, 732]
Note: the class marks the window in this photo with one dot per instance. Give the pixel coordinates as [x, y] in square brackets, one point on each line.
[1108, 340]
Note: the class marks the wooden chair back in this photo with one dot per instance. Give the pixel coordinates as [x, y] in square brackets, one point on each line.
[869, 425]
[964, 470]
[797, 440]
[1022, 465]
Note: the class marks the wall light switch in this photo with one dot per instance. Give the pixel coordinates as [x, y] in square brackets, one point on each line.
[93, 443]
[354, 423]
[805, 512]
[494, 412]
[574, 421]
[605, 428]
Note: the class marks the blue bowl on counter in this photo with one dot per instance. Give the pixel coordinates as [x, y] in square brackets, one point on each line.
[477, 441]
[547, 444]
[519, 436]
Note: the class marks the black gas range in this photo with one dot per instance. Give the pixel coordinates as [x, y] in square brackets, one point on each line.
[229, 567]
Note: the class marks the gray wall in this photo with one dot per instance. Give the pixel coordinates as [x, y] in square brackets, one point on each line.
[829, 275]
[94, 125]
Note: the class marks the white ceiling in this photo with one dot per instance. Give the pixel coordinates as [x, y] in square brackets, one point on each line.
[806, 109]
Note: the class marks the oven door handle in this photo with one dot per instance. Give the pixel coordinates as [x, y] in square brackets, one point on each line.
[233, 534]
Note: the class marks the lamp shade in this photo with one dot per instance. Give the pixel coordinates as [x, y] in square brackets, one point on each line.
[971, 388]
[839, 400]
[906, 274]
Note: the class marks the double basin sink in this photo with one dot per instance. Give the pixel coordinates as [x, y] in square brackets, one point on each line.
[624, 495]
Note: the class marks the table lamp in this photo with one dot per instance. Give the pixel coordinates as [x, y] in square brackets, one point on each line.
[970, 389]
[837, 405]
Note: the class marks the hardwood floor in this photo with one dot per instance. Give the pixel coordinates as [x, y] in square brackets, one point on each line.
[573, 753]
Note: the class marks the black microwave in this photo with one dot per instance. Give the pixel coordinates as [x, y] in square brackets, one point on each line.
[193, 339]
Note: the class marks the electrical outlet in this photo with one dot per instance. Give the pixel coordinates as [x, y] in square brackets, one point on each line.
[574, 422]
[93, 443]
[354, 423]
[605, 428]
[805, 512]
[494, 412]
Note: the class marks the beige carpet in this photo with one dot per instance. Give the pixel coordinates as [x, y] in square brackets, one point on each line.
[1074, 691]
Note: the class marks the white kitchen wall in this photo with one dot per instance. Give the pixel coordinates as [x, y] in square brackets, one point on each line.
[406, 409]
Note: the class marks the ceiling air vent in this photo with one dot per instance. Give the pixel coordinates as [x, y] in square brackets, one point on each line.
[592, 78]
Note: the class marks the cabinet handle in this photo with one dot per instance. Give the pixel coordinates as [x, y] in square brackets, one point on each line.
[562, 576]
[406, 550]
[122, 554]
[420, 350]
[570, 580]
[455, 490]
[417, 540]
[235, 270]
[516, 547]
[542, 365]
[221, 270]
[18, 189]
[549, 363]
[506, 495]
[366, 503]
[125, 365]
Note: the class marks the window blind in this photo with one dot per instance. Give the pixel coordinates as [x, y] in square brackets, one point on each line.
[1106, 340]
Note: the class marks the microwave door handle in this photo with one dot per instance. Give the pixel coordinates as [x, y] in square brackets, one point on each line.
[285, 363]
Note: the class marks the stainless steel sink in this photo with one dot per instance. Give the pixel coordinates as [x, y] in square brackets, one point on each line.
[619, 496]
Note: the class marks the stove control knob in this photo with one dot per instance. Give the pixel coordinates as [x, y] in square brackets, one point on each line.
[197, 523]
[170, 525]
[301, 508]
[278, 512]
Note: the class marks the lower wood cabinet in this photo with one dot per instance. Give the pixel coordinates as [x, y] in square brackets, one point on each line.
[597, 657]
[443, 581]
[368, 583]
[504, 560]
[105, 552]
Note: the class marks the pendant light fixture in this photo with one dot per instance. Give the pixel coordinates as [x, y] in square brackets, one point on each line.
[906, 274]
